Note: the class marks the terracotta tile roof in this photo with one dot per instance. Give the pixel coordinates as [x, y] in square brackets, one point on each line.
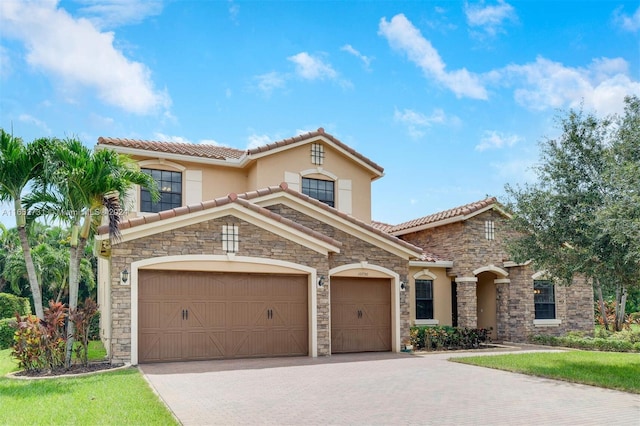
[455, 212]
[196, 150]
[225, 153]
[319, 132]
[285, 188]
[381, 226]
[218, 202]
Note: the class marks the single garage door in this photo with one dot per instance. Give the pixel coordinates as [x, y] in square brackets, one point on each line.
[203, 315]
[360, 314]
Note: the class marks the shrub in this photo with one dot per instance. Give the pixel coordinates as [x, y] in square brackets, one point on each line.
[40, 344]
[7, 330]
[10, 304]
[624, 341]
[445, 337]
[82, 318]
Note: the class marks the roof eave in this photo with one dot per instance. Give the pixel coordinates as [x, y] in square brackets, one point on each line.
[228, 162]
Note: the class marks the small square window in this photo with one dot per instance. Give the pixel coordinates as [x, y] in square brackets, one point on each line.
[317, 154]
[489, 230]
[230, 238]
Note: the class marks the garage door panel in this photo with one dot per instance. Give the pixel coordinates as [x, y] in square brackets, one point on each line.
[197, 315]
[360, 314]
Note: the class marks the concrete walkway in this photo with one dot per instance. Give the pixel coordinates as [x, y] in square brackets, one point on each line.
[378, 388]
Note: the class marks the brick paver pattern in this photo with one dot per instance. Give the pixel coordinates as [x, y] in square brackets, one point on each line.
[378, 389]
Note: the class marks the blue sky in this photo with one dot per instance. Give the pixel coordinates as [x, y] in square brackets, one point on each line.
[450, 97]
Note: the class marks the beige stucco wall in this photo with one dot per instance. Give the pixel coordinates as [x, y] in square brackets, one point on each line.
[270, 170]
[352, 180]
[441, 293]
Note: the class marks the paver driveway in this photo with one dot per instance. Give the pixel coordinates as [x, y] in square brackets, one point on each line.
[383, 388]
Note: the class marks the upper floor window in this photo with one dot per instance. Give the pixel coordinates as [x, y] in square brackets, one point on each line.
[317, 154]
[321, 190]
[170, 186]
[489, 230]
[544, 299]
[424, 299]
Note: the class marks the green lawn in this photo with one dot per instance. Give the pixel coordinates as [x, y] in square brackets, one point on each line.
[611, 370]
[115, 398]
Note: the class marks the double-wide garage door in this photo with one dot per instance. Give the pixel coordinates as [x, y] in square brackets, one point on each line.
[204, 315]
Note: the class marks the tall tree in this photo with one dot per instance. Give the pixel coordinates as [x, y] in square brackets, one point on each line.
[567, 221]
[81, 187]
[19, 165]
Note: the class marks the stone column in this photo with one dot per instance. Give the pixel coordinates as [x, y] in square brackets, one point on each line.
[502, 308]
[467, 301]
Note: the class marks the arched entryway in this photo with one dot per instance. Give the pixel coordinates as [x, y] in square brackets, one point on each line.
[487, 297]
[487, 307]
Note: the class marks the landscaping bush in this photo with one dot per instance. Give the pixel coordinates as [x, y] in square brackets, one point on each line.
[445, 337]
[624, 341]
[40, 344]
[10, 304]
[7, 330]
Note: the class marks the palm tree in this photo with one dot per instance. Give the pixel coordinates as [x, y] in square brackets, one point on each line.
[20, 164]
[82, 187]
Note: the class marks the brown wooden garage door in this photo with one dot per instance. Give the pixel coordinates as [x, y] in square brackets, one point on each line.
[202, 315]
[360, 314]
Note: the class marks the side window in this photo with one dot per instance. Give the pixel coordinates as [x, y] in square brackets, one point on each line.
[321, 190]
[424, 299]
[544, 299]
[170, 186]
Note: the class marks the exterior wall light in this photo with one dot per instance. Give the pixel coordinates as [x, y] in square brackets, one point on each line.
[321, 281]
[124, 276]
[403, 286]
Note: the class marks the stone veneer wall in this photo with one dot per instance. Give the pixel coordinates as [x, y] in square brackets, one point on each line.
[465, 244]
[205, 238]
[574, 307]
[355, 250]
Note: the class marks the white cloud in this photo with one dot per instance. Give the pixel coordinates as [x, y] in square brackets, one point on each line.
[161, 137]
[255, 141]
[417, 123]
[629, 23]
[311, 67]
[404, 37]
[365, 59]
[26, 118]
[493, 139]
[268, 82]
[489, 18]
[75, 53]
[114, 13]
[544, 84]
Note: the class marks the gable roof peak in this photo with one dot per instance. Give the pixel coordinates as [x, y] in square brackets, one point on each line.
[455, 214]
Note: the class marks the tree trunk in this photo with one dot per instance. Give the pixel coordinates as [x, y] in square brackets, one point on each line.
[36, 293]
[623, 305]
[616, 314]
[603, 311]
[75, 254]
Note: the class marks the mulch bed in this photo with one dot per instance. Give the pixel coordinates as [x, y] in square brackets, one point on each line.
[74, 369]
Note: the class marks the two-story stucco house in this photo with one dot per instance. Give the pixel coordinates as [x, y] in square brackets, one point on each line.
[272, 252]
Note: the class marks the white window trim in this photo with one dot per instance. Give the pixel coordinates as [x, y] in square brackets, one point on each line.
[546, 322]
[427, 322]
[230, 238]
